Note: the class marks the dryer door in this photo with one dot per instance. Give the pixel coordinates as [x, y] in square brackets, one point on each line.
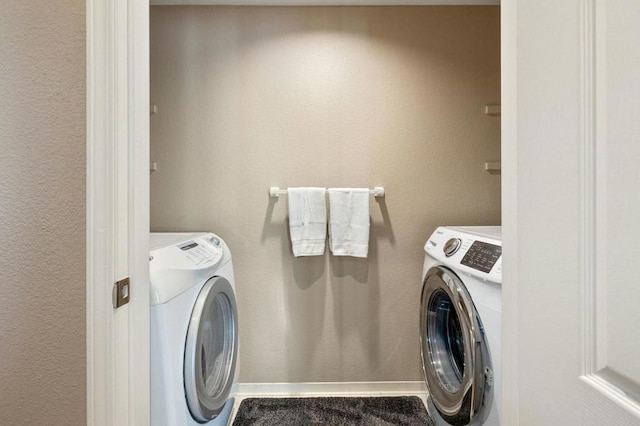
[455, 353]
[211, 349]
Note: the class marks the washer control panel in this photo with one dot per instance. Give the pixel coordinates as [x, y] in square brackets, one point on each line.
[482, 256]
[475, 251]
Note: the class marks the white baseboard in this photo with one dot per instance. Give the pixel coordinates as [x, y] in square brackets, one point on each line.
[330, 388]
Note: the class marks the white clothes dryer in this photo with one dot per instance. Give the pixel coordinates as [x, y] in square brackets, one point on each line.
[460, 325]
[193, 330]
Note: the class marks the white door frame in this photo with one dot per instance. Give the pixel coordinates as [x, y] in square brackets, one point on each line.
[509, 160]
[117, 211]
[118, 202]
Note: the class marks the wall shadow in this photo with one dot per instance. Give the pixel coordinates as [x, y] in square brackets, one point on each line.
[269, 228]
[386, 229]
[355, 291]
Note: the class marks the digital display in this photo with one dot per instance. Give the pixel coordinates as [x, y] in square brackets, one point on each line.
[482, 256]
[188, 246]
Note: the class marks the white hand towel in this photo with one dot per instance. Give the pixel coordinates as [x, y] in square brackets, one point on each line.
[349, 223]
[307, 220]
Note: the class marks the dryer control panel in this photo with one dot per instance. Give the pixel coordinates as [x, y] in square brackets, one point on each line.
[476, 251]
[178, 261]
[202, 251]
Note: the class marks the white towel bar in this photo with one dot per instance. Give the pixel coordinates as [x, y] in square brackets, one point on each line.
[275, 192]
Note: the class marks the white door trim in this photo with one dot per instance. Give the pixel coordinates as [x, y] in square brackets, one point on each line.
[118, 205]
[117, 211]
[139, 192]
[593, 126]
[509, 155]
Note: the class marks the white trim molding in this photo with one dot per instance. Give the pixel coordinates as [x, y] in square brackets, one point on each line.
[331, 388]
[117, 211]
[509, 168]
[593, 67]
[588, 184]
[139, 207]
[101, 268]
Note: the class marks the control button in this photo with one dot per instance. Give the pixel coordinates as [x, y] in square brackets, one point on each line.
[215, 241]
[451, 247]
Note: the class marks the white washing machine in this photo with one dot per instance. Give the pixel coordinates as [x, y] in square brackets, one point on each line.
[460, 325]
[194, 330]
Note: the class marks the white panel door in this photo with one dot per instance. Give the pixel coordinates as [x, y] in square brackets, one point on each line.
[572, 211]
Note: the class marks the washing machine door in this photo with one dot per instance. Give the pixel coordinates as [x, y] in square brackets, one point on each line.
[455, 353]
[211, 349]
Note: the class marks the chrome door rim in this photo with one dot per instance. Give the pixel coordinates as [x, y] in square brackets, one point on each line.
[460, 404]
[204, 407]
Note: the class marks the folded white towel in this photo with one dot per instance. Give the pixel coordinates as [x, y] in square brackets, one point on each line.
[307, 220]
[349, 223]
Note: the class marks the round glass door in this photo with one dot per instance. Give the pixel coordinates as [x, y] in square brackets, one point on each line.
[455, 354]
[446, 341]
[211, 350]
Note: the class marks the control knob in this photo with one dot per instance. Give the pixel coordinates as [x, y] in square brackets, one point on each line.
[452, 246]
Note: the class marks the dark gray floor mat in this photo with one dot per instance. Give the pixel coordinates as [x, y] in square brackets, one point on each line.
[333, 411]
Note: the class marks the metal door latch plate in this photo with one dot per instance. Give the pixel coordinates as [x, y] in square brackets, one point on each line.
[120, 293]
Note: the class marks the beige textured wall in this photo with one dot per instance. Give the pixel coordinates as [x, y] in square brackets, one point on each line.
[42, 213]
[255, 97]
